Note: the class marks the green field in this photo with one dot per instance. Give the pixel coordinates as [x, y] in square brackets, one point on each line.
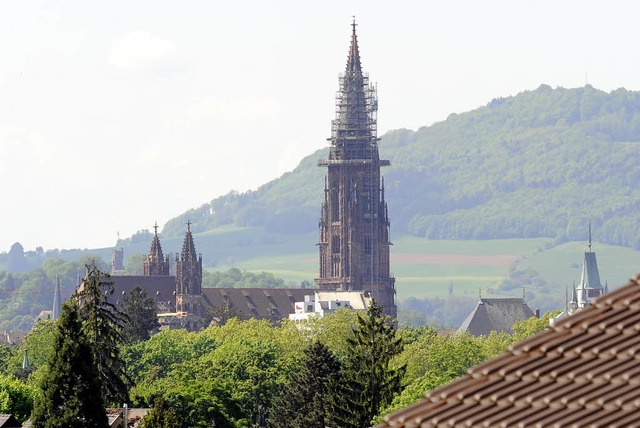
[427, 268]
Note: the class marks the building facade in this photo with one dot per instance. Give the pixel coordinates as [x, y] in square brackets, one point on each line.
[181, 302]
[354, 222]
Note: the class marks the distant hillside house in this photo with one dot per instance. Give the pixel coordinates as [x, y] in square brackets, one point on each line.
[181, 302]
[13, 338]
[322, 303]
[497, 315]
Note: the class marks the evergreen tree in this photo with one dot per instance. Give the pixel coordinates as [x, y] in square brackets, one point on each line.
[304, 401]
[160, 416]
[368, 381]
[71, 394]
[102, 325]
[140, 312]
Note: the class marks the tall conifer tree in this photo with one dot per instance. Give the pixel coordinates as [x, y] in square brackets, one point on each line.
[368, 381]
[71, 394]
[102, 325]
[304, 401]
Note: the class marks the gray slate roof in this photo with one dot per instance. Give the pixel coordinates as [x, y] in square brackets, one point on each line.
[590, 275]
[159, 287]
[495, 315]
[272, 304]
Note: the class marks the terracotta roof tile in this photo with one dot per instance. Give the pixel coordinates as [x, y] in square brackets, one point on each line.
[584, 371]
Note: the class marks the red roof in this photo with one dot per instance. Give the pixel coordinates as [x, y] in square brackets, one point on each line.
[584, 371]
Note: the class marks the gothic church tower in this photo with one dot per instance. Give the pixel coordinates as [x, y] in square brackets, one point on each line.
[155, 263]
[189, 283]
[354, 224]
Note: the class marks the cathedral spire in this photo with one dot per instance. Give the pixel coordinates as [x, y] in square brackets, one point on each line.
[188, 247]
[156, 263]
[156, 248]
[353, 62]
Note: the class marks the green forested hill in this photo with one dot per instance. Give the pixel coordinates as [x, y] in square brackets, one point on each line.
[533, 165]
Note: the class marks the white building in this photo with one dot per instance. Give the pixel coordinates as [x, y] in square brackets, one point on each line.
[322, 303]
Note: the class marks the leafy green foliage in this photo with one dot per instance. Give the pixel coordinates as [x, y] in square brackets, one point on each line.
[135, 264]
[433, 360]
[16, 397]
[39, 345]
[235, 278]
[71, 394]
[160, 416]
[140, 313]
[532, 326]
[228, 374]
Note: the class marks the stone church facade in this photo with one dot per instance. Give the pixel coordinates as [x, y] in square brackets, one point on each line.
[182, 302]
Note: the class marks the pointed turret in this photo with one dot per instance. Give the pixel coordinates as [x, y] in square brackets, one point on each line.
[156, 248]
[57, 300]
[156, 263]
[590, 285]
[188, 247]
[353, 61]
[573, 303]
[25, 361]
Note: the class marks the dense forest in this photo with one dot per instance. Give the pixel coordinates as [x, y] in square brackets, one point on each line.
[532, 165]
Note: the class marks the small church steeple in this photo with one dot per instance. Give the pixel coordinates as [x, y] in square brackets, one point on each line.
[57, 299]
[26, 365]
[156, 263]
[590, 285]
[188, 247]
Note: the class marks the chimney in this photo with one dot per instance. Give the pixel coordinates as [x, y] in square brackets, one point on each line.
[536, 313]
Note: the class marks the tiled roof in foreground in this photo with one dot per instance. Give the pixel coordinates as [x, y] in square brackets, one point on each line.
[584, 371]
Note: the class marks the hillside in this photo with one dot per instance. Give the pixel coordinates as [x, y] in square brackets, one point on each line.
[533, 165]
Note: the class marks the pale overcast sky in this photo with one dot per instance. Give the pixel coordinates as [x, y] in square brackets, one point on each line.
[116, 114]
